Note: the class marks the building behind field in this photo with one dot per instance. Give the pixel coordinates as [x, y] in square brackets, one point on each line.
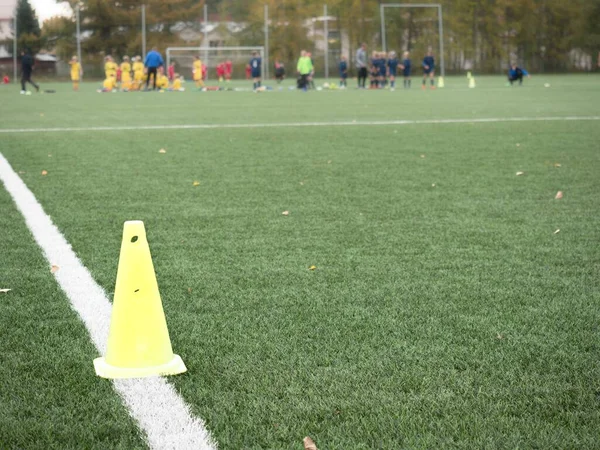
[7, 11]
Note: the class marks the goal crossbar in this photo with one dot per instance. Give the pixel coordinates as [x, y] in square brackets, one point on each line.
[438, 6]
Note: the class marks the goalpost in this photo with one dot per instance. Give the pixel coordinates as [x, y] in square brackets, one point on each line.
[416, 5]
[211, 56]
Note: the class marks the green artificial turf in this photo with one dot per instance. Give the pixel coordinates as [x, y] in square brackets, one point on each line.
[50, 398]
[444, 310]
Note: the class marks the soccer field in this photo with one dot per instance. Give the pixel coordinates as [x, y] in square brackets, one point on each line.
[454, 303]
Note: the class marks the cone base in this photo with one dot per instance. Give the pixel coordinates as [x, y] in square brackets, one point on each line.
[105, 370]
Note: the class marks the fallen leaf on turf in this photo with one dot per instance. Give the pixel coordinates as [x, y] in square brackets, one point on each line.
[22, 172]
[189, 290]
[41, 114]
[329, 162]
[499, 336]
[309, 444]
[5, 290]
[302, 183]
[433, 185]
[312, 267]
[518, 145]
[54, 268]
[558, 195]
[49, 156]
[285, 213]
[196, 183]
[162, 150]
[556, 165]
[520, 173]
[44, 172]
[422, 156]
[557, 231]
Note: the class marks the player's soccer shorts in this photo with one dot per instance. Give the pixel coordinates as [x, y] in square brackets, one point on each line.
[343, 76]
[428, 71]
[406, 73]
[393, 72]
[256, 74]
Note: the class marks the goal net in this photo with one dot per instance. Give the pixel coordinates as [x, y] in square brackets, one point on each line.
[211, 57]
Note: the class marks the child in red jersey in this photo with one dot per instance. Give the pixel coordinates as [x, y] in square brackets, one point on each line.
[228, 70]
[220, 71]
[171, 72]
[248, 71]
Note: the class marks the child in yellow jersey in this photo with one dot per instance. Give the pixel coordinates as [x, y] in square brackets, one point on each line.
[197, 71]
[138, 72]
[177, 83]
[110, 67]
[125, 74]
[109, 83]
[162, 82]
[76, 72]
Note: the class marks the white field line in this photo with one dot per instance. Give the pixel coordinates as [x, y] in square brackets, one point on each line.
[161, 413]
[353, 123]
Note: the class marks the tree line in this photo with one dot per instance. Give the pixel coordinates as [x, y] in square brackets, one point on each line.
[544, 35]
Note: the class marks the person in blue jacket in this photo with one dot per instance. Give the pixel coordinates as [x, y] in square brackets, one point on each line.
[153, 62]
[516, 73]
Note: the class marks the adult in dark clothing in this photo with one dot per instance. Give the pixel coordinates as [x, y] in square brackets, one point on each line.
[153, 62]
[361, 65]
[26, 70]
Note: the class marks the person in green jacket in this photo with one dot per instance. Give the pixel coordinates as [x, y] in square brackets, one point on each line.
[305, 68]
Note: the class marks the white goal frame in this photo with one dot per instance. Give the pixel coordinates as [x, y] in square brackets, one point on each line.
[206, 50]
[382, 7]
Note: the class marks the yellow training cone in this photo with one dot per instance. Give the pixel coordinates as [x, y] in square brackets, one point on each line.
[440, 82]
[138, 340]
[469, 76]
[472, 82]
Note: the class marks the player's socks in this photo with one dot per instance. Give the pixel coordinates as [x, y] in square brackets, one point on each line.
[409, 83]
[393, 84]
[254, 86]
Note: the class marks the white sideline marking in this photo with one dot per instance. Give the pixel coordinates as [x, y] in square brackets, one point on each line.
[353, 123]
[161, 413]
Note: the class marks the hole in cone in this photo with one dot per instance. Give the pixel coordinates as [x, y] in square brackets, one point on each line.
[134, 239]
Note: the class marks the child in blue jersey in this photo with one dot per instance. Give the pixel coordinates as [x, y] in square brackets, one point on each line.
[515, 73]
[374, 70]
[406, 69]
[255, 68]
[343, 66]
[382, 66]
[429, 69]
[392, 64]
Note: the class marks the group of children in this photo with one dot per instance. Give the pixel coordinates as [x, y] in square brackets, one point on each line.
[129, 76]
[384, 68]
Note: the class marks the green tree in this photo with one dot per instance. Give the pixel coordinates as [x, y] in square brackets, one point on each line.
[59, 36]
[27, 21]
[28, 28]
